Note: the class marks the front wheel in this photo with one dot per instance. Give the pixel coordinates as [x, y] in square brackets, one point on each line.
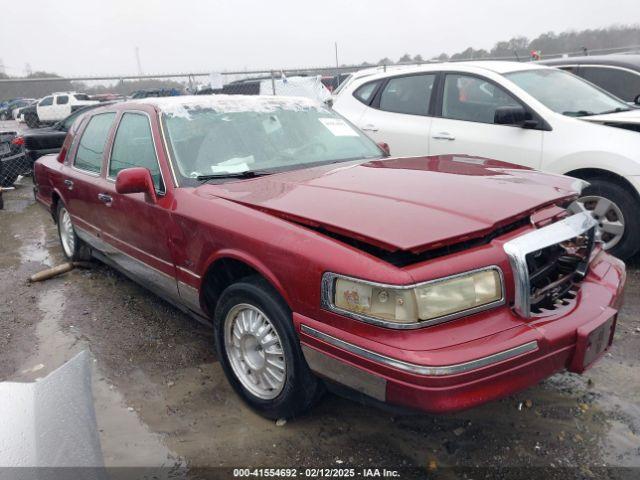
[260, 352]
[72, 246]
[616, 212]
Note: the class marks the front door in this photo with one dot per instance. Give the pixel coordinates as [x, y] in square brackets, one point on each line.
[466, 123]
[136, 229]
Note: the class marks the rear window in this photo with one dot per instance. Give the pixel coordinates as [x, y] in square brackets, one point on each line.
[62, 100]
[365, 92]
[81, 96]
[92, 143]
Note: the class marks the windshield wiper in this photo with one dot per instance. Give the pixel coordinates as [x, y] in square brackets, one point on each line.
[615, 110]
[579, 113]
[245, 174]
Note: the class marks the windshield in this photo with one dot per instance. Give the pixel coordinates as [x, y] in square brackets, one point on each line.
[566, 93]
[208, 142]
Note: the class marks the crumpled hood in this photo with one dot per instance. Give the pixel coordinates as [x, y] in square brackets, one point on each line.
[411, 204]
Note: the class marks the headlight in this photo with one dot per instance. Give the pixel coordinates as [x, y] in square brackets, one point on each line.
[415, 305]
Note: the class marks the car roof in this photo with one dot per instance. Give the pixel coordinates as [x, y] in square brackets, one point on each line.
[499, 67]
[224, 103]
[620, 60]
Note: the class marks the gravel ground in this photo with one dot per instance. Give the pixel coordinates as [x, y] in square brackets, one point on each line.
[162, 401]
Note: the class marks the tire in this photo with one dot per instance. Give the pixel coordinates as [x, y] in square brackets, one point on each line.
[299, 389]
[72, 246]
[31, 119]
[624, 204]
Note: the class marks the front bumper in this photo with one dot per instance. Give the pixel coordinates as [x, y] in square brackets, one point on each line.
[464, 375]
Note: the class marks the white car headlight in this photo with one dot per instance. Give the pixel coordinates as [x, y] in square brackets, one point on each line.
[417, 305]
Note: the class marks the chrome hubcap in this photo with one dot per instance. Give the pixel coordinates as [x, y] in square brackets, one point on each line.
[67, 236]
[255, 351]
[609, 217]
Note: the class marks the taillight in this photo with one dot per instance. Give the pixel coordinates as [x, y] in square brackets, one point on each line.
[18, 141]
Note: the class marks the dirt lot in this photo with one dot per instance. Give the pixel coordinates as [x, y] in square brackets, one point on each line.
[162, 401]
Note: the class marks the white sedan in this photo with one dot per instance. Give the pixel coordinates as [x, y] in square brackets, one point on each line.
[520, 113]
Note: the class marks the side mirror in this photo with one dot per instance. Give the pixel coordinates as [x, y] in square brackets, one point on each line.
[136, 180]
[385, 148]
[637, 100]
[510, 115]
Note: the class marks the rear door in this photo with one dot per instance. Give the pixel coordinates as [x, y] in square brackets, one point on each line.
[399, 115]
[136, 229]
[82, 178]
[464, 123]
[61, 107]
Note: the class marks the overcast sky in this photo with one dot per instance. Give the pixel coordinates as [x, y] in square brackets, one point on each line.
[97, 37]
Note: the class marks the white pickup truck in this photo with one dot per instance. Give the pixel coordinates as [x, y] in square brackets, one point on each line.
[58, 106]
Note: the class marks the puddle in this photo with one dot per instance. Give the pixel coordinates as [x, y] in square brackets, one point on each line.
[35, 250]
[125, 440]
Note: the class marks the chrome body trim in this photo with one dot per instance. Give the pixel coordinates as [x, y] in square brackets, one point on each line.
[518, 249]
[190, 296]
[188, 272]
[328, 292]
[345, 374]
[166, 150]
[431, 371]
[140, 271]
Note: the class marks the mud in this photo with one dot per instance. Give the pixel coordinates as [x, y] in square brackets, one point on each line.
[162, 400]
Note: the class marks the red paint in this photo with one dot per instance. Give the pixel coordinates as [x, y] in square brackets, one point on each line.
[412, 204]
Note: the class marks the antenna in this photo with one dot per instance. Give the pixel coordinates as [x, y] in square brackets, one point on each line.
[138, 61]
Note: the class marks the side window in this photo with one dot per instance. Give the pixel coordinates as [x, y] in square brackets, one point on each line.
[133, 147]
[366, 91]
[92, 143]
[621, 83]
[410, 94]
[62, 100]
[46, 101]
[473, 99]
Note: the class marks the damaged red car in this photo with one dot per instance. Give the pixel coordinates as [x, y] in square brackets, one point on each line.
[434, 283]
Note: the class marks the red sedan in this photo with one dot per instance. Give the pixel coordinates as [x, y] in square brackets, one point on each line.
[437, 283]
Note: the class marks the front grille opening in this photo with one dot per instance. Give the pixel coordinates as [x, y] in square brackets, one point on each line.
[555, 272]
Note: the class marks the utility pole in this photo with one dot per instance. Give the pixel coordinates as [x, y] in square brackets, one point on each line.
[1, 67]
[138, 61]
[336, 46]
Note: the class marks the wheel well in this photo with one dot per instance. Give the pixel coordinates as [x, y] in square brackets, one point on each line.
[220, 274]
[591, 173]
[55, 199]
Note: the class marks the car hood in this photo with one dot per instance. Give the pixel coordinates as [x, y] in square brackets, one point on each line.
[632, 117]
[411, 204]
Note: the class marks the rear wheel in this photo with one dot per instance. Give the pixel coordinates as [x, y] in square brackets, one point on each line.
[260, 352]
[72, 246]
[616, 212]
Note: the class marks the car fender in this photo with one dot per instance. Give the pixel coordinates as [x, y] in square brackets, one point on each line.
[252, 262]
[600, 160]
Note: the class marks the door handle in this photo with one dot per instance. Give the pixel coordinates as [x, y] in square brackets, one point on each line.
[104, 198]
[369, 128]
[69, 184]
[443, 136]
